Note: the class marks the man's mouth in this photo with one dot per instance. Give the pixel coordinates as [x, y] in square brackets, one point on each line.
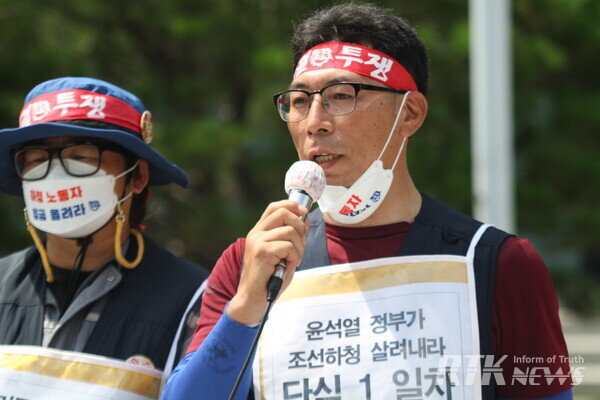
[321, 158]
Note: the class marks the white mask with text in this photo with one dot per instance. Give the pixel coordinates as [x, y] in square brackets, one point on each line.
[68, 206]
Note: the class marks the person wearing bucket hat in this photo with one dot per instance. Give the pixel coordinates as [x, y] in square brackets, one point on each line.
[81, 158]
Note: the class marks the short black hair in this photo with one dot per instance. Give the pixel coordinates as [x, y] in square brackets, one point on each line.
[367, 25]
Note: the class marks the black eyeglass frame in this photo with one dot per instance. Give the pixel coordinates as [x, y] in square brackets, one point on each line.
[356, 86]
[102, 147]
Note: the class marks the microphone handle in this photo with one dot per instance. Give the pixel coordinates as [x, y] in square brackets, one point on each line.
[276, 280]
[301, 197]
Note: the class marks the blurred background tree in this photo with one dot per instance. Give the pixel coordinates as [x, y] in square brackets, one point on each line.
[207, 71]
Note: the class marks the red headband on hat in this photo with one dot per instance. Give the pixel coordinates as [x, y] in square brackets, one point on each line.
[362, 60]
[79, 104]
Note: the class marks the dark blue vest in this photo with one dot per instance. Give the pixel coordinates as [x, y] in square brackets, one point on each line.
[141, 315]
[437, 229]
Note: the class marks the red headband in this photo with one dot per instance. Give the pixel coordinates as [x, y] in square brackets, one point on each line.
[362, 60]
[79, 104]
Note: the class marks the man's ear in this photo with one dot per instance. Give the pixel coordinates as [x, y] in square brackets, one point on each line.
[141, 176]
[414, 113]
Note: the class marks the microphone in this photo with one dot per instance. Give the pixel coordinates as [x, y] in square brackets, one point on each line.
[304, 183]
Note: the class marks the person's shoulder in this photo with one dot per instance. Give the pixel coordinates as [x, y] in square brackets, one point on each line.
[435, 213]
[517, 246]
[14, 267]
[519, 255]
[15, 259]
[521, 269]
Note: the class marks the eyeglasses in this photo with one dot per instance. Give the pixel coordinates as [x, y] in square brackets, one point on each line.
[337, 99]
[33, 162]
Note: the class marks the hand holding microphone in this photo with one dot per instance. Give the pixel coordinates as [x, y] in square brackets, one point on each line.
[270, 239]
[304, 183]
[277, 236]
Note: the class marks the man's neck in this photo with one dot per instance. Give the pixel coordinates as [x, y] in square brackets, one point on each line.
[62, 252]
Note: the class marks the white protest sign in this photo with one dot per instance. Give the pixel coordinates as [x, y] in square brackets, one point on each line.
[378, 329]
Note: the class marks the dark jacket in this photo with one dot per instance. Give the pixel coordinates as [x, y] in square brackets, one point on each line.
[141, 314]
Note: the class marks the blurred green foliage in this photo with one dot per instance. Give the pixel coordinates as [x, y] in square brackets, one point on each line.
[207, 71]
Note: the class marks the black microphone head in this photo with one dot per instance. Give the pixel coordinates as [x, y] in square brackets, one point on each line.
[307, 176]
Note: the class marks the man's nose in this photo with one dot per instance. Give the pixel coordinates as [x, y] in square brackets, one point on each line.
[318, 120]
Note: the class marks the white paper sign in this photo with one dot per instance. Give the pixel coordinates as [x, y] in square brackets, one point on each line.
[371, 330]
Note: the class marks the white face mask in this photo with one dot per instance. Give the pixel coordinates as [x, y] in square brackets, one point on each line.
[358, 202]
[69, 206]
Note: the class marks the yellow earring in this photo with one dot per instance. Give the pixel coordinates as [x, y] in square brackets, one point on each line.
[120, 218]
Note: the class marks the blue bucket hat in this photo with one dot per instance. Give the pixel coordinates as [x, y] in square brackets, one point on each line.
[79, 98]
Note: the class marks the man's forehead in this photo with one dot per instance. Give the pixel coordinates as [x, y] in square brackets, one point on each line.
[320, 78]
